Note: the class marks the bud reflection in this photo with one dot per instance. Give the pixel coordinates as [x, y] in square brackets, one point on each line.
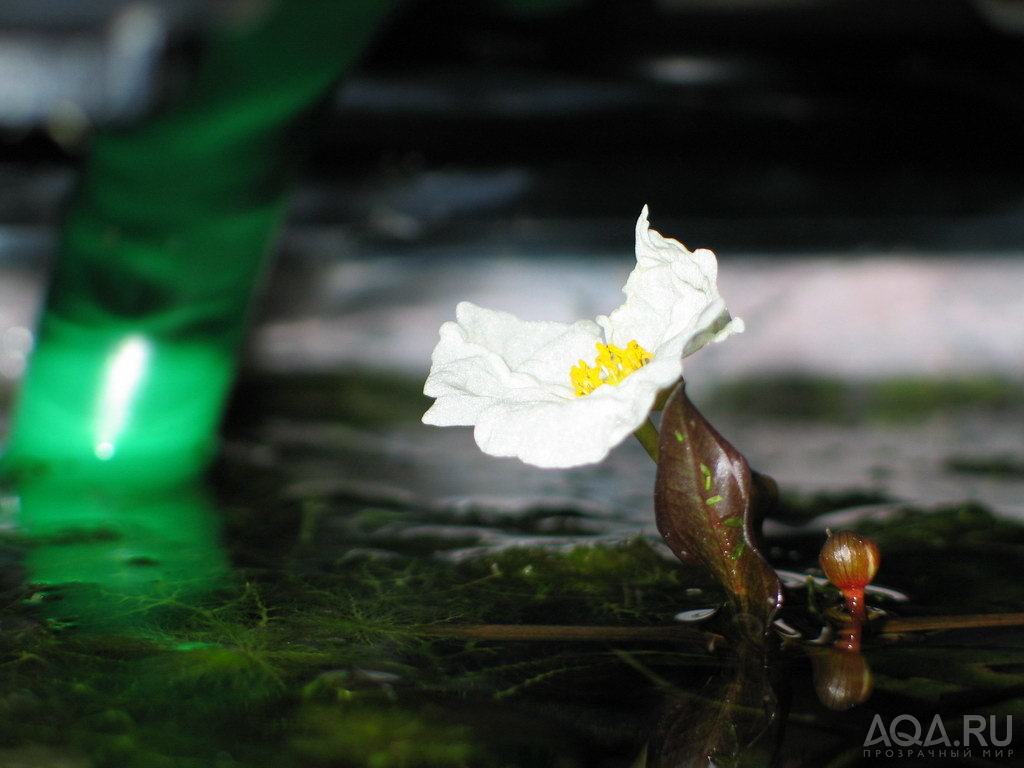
[842, 678]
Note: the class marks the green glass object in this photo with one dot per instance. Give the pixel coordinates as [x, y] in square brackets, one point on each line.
[163, 247]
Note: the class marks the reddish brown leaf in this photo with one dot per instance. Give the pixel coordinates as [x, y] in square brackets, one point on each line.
[707, 508]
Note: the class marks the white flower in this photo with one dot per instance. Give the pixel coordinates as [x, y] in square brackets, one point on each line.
[560, 395]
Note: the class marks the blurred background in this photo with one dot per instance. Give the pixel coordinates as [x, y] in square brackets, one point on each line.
[855, 166]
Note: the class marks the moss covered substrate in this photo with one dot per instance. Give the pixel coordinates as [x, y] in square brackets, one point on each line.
[314, 657]
[315, 654]
[893, 399]
[333, 658]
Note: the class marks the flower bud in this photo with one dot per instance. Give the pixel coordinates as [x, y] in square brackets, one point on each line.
[849, 560]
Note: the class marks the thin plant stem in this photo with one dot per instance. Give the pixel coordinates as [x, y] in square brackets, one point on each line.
[965, 621]
[583, 633]
[663, 396]
[675, 633]
[647, 434]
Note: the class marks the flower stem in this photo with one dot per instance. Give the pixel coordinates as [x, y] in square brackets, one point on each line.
[663, 396]
[647, 434]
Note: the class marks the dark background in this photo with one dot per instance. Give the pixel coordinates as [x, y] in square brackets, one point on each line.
[773, 126]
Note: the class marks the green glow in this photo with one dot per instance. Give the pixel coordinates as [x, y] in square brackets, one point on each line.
[162, 249]
[113, 558]
[123, 408]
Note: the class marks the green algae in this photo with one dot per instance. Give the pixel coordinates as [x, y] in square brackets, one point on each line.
[1003, 465]
[312, 658]
[327, 645]
[252, 661]
[896, 399]
[797, 507]
[380, 738]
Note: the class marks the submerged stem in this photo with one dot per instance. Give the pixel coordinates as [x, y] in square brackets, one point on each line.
[647, 434]
[675, 632]
[574, 633]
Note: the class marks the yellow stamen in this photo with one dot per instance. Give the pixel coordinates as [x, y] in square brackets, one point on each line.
[612, 365]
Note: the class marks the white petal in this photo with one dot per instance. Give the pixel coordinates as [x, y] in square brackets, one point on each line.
[573, 432]
[672, 303]
[487, 356]
[511, 379]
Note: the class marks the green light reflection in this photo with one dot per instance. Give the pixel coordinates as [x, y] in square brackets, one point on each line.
[111, 559]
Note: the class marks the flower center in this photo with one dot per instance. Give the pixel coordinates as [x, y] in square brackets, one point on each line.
[612, 365]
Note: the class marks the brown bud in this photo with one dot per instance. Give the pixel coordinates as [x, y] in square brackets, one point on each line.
[842, 679]
[849, 560]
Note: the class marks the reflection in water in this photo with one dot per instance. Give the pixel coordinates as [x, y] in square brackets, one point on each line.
[734, 720]
[842, 678]
[110, 558]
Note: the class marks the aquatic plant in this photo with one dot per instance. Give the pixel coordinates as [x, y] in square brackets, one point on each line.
[518, 385]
